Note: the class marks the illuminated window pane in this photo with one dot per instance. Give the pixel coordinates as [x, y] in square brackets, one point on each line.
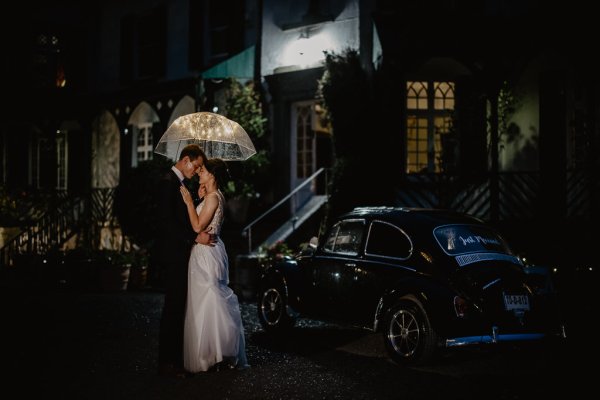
[416, 95]
[144, 144]
[443, 95]
[305, 141]
[411, 146]
[416, 144]
[434, 103]
[411, 132]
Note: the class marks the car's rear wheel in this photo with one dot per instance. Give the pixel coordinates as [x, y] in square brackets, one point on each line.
[409, 338]
[272, 310]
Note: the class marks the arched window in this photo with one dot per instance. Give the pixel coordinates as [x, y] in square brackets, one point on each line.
[142, 119]
[430, 106]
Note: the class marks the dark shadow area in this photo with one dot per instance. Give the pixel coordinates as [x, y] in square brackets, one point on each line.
[104, 345]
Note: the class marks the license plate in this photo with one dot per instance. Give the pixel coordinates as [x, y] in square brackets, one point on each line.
[518, 302]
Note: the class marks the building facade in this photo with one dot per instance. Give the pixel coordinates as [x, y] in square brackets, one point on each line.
[505, 130]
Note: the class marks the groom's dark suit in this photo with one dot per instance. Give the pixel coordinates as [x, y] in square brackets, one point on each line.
[175, 240]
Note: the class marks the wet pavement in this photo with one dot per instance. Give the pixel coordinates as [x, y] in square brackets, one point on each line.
[103, 346]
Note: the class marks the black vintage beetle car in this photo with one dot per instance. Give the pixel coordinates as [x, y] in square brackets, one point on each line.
[424, 278]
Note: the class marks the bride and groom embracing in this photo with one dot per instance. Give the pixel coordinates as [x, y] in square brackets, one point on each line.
[201, 324]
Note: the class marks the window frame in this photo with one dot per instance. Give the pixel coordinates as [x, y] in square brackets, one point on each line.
[143, 130]
[402, 231]
[336, 227]
[430, 114]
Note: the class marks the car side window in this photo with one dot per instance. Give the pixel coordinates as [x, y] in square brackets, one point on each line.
[330, 241]
[345, 237]
[387, 240]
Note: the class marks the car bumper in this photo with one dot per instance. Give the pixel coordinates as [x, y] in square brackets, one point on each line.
[497, 337]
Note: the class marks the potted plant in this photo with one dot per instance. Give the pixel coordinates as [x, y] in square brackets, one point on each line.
[277, 251]
[115, 268]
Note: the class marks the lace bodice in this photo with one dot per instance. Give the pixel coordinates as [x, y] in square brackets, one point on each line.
[215, 225]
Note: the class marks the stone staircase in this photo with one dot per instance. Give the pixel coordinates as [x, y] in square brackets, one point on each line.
[296, 221]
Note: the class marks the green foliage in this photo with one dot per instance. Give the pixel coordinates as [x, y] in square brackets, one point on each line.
[275, 252]
[135, 201]
[346, 94]
[10, 209]
[250, 177]
[508, 103]
[20, 207]
[362, 146]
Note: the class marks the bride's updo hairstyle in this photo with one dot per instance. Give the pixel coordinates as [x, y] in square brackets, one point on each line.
[218, 169]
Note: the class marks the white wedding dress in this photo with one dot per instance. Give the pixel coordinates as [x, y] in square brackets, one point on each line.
[213, 330]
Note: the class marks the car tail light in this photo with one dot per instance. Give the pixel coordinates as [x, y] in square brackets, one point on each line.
[461, 306]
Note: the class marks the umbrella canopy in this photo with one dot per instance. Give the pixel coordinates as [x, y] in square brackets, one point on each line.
[218, 136]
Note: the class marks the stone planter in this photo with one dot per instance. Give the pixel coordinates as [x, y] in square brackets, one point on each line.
[138, 277]
[114, 277]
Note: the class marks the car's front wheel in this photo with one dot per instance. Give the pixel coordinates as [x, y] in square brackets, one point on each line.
[409, 338]
[272, 310]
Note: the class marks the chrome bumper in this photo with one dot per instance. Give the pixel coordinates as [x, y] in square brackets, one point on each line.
[496, 337]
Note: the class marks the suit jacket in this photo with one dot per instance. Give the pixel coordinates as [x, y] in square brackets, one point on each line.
[175, 233]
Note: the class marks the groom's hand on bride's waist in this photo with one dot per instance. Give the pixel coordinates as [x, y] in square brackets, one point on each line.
[207, 239]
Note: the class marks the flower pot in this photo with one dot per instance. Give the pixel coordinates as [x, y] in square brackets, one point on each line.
[114, 277]
[138, 278]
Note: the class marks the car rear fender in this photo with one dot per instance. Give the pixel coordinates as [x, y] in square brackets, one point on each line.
[420, 291]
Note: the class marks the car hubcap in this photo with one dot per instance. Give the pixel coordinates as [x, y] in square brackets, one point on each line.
[271, 306]
[404, 333]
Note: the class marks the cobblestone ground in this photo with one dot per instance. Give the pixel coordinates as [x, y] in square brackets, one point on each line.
[104, 346]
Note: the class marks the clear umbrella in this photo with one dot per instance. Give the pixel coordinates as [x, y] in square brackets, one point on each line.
[217, 135]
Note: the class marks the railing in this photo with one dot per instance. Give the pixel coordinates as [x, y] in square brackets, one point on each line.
[295, 204]
[102, 206]
[53, 228]
[91, 212]
[520, 195]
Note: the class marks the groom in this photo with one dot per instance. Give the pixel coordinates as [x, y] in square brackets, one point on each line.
[175, 240]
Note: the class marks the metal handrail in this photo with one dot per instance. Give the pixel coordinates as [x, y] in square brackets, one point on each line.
[248, 228]
[51, 229]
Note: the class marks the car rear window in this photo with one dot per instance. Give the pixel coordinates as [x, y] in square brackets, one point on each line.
[465, 239]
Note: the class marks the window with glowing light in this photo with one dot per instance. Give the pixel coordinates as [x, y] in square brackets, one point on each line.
[305, 142]
[429, 107]
[144, 143]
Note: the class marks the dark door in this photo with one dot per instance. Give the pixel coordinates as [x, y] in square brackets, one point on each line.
[333, 269]
[387, 250]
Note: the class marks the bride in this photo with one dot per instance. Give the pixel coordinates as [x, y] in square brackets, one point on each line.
[213, 330]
